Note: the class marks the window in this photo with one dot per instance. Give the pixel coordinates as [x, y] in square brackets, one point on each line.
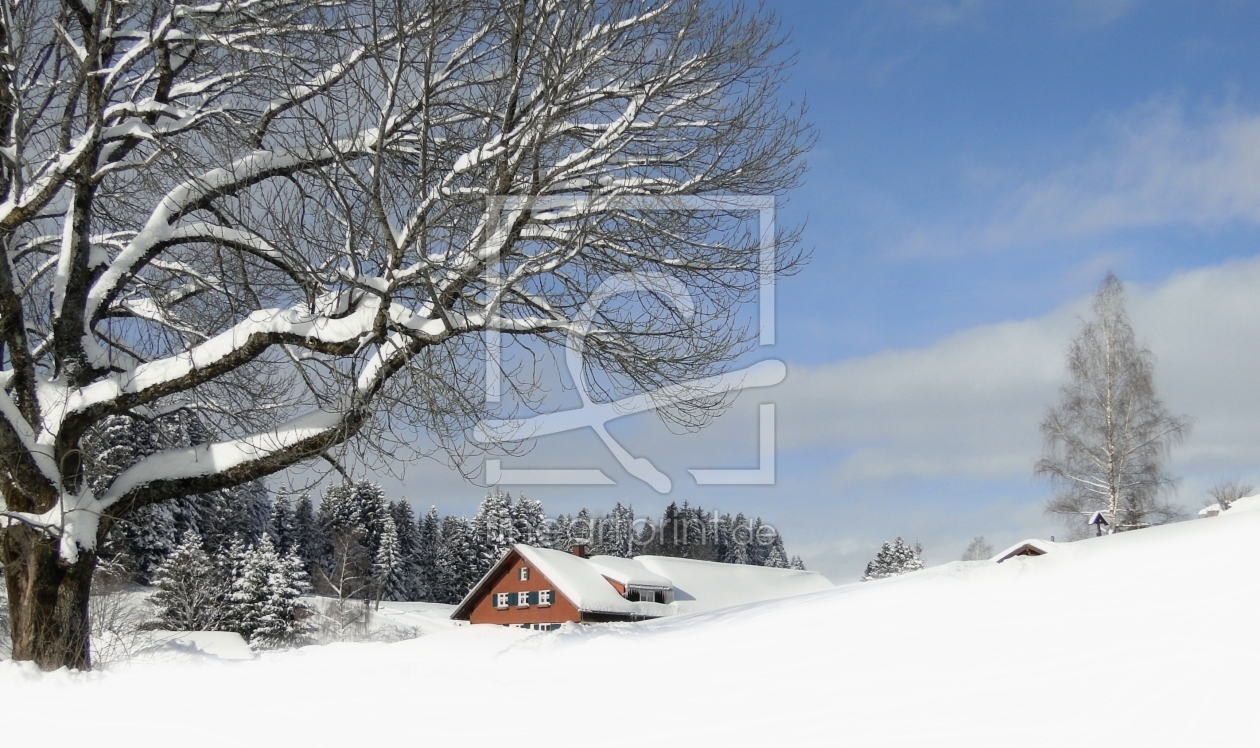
[524, 573]
[522, 599]
[501, 600]
[648, 595]
[544, 598]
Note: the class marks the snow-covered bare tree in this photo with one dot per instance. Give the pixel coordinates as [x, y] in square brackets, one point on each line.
[978, 549]
[292, 217]
[1225, 493]
[1107, 441]
[348, 585]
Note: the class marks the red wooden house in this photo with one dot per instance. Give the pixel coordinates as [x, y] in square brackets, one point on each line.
[543, 588]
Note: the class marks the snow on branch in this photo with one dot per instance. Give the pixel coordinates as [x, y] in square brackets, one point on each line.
[293, 214]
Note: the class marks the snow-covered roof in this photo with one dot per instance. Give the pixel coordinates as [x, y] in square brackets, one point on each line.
[705, 585]
[697, 585]
[1034, 544]
[584, 584]
[629, 571]
[1245, 504]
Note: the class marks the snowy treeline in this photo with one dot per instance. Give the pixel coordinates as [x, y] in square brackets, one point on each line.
[377, 548]
[693, 532]
[359, 545]
[894, 558]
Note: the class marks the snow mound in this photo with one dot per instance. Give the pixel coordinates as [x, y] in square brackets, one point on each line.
[425, 618]
[1138, 639]
[166, 646]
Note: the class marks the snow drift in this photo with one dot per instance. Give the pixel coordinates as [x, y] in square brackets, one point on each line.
[1141, 639]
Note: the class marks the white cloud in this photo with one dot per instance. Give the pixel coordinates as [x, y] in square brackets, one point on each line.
[1157, 170]
[961, 407]
[1154, 166]
[970, 405]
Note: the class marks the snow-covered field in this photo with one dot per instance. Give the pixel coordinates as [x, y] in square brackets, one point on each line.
[1142, 639]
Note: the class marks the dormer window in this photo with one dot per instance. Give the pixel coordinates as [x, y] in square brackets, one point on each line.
[524, 576]
[649, 595]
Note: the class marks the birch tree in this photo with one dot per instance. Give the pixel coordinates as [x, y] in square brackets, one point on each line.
[288, 217]
[1107, 442]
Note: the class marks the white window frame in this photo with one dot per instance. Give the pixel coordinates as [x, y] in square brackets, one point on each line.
[522, 599]
[544, 598]
[500, 601]
[524, 574]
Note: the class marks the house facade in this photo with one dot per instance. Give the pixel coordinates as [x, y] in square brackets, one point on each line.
[517, 593]
[542, 588]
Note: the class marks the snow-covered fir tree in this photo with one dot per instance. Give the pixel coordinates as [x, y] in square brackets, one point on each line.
[733, 539]
[280, 524]
[191, 591]
[374, 510]
[894, 558]
[560, 534]
[337, 509]
[457, 566]
[582, 529]
[352, 509]
[492, 529]
[618, 532]
[798, 564]
[529, 521]
[242, 510]
[114, 445]
[777, 558]
[145, 539]
[758, 548]
[230, 562]
[307, 536]
[428, 542]
[265, 602]
[288, 606]
[388, 569]
[412, 585]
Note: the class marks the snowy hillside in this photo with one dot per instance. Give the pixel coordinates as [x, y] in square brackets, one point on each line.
[1140, 639]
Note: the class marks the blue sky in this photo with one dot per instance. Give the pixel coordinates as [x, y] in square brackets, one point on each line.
[979, 167]
[932, 115]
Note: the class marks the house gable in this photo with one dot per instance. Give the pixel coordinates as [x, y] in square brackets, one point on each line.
[505, 578]
[1032, 547]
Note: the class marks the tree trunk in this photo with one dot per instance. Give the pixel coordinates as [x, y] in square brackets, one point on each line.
[48, 599]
